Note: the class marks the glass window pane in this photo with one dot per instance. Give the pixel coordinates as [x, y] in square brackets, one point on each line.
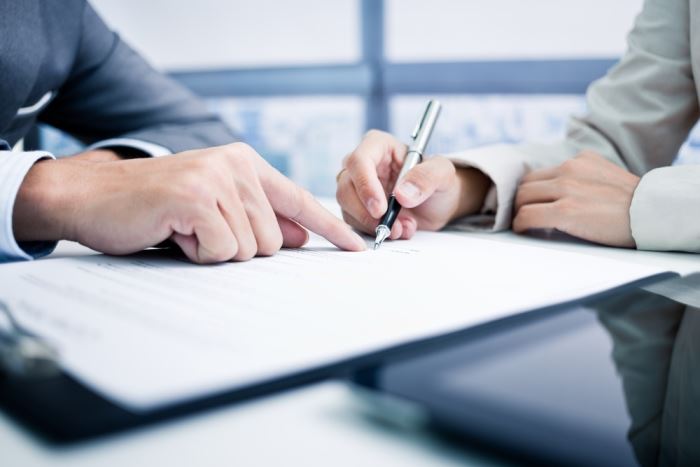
[306, 138]
[448, 30]
[186, 35]
[467, 121]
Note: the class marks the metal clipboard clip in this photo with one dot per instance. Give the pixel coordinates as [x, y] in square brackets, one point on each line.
[23, 354]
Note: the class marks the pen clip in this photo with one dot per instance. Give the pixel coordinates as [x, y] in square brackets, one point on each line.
[421, 122]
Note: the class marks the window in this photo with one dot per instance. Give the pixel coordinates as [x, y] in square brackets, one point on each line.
[478, 119]
[468, 30]
[215, 34]
[303, 92]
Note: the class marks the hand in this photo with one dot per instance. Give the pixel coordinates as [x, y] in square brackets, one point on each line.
[588, 197]
[432, 194]
[217, 204]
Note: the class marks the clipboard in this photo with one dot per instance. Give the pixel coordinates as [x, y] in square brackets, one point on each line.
[63, 411]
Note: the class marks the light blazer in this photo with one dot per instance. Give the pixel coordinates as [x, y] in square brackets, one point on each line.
[639, 115]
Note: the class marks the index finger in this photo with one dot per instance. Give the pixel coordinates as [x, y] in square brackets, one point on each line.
[376, 148]
[297, 204]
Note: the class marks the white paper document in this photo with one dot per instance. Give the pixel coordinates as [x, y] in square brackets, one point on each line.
[147, 331]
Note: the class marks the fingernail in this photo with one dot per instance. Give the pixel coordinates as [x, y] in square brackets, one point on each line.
[373, 207]
[409, 190]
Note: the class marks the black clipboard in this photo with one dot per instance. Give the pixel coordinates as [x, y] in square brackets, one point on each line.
[62, 411]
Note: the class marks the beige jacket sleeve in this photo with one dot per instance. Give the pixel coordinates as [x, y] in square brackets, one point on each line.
[639, 115]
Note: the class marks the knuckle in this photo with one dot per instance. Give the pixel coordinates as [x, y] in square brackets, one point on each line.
[242, 156]
[244, 164]
[225, 254]
[564, 208]
[221, 254]
[246, 250]
[299, 200]
[199, 166]
[564, 214]
[266, 250]
[342, 193]
[566, 187]
[207, 168]
[374, 133]
[191, 189]
[269, 249]
[353, 163]
[570, 166]
[239, 149]
[363, 186]
[270, 241]
[247, 192]
[270, 245]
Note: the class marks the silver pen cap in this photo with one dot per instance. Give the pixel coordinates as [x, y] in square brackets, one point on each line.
[424, 129]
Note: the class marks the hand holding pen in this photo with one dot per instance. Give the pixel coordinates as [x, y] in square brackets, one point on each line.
[414, 156]
[432, 193]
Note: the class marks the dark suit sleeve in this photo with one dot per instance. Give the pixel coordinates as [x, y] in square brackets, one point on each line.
[112, 92]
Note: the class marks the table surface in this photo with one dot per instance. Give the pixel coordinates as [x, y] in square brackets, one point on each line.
[323, 424]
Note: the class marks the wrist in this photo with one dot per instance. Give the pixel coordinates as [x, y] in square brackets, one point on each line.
[97, 155]
[46, 203]
[473, 185]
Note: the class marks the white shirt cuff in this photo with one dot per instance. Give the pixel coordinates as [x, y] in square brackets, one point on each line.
[505, 166]
[150, 149]
[13, 168]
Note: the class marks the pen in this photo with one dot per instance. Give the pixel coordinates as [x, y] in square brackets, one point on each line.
[419, 141]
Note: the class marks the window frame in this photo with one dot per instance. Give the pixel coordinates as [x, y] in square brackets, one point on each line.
[376, 80]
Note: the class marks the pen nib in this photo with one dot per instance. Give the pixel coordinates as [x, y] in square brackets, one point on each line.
[382, 234]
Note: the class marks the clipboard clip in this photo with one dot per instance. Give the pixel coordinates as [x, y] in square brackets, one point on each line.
[23, 354]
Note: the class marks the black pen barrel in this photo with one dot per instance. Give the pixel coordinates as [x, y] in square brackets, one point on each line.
[392, 212]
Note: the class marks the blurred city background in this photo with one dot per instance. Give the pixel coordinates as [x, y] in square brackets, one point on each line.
[303, 92]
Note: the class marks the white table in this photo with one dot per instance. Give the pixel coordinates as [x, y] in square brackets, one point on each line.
[318, 425]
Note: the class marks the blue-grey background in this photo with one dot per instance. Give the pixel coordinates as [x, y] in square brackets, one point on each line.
[302, 80]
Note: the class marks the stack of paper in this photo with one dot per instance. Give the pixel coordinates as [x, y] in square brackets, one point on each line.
[146, 331]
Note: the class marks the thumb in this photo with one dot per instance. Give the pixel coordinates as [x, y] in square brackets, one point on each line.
[421, 182]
